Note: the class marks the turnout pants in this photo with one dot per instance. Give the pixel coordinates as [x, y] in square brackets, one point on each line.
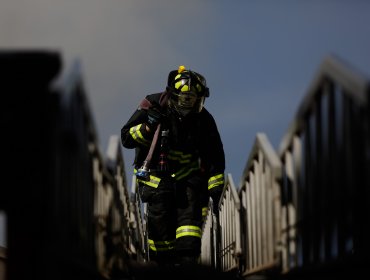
[175, 219]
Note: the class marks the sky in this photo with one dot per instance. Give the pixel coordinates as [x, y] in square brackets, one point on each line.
[259, 56]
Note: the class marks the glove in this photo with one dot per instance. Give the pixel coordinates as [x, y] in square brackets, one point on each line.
[154, 118]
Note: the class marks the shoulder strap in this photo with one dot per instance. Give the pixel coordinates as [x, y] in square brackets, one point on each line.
[163, 98]
[162, 101]
[145, 104]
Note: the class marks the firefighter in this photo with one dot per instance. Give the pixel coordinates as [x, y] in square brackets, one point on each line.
[179, 159]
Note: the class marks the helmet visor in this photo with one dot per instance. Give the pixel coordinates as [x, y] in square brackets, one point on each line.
[186, 102]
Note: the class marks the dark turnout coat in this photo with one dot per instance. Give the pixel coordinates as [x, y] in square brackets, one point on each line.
[194, 142]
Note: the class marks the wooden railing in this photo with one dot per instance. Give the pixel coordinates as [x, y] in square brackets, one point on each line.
[304, 208]
[68, 207]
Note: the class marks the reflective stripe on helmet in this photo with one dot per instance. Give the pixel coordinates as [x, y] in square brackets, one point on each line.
[188, 81]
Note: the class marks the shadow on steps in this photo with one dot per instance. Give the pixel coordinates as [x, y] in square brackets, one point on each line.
[150, 270]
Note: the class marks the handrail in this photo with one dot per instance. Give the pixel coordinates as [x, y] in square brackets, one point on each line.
[351, 81]
[259, 193]
[229, 213]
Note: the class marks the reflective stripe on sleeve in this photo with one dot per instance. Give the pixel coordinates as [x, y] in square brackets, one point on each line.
[215, 181]
[152, 182]
[137, 136]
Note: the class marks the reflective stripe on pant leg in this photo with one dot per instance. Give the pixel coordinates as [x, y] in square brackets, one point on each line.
[162, 218]
[188, 231]
[189, 216]
[161, 245]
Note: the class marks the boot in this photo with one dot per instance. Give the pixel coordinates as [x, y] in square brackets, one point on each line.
[163, 259]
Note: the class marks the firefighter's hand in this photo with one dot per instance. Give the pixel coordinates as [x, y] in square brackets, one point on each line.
[154, 118]
[146, 193]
